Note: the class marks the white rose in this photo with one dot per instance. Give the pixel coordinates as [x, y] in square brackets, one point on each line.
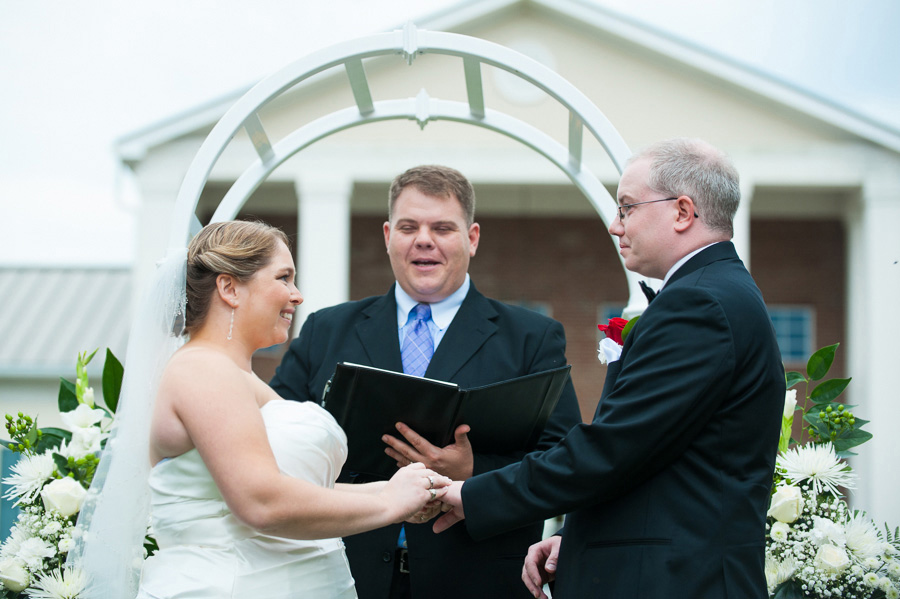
[832, 559]
[14, 576]
[790, 403]
[64, 495]
[786, 504]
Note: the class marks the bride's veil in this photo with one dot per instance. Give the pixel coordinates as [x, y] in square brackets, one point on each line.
[112, 524]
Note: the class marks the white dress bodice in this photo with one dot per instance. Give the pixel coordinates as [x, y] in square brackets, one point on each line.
[206, 552]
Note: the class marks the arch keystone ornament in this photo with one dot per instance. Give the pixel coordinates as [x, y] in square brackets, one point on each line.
[407, 43]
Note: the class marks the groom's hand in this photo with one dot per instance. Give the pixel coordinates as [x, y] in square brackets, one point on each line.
[451, 503]
[454, 461]
[540, 565]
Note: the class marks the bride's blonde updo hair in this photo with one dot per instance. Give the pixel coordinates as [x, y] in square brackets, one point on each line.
[236, 248]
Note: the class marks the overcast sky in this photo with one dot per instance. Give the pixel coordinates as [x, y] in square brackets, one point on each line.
[74, 76]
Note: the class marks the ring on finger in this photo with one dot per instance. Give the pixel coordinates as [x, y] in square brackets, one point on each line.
[433, 494]
[431, 482]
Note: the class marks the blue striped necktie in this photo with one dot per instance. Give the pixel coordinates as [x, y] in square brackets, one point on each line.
[418, 347]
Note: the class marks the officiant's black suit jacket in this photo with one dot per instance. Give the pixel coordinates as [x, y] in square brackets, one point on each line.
[667, 488]
[488, 341]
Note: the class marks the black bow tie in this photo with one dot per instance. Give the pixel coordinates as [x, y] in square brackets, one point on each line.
[648, 291]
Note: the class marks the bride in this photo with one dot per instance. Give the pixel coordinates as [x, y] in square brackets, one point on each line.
[242, 490]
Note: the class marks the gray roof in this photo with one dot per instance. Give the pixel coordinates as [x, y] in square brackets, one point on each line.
[50, 314]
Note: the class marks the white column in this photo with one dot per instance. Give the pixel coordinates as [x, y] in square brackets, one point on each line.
[323, 247]
[741, 237]
[873, 328]
[159, 178]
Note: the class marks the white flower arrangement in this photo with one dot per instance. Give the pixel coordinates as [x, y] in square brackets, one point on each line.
[49, 484]
[816, 546]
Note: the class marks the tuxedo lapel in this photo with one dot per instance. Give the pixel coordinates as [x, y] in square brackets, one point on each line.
[378, 333]
[471, 327]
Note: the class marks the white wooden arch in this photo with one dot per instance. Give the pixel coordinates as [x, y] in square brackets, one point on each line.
[408, 43]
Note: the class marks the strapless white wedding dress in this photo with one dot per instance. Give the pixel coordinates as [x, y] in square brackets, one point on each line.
[205, 552]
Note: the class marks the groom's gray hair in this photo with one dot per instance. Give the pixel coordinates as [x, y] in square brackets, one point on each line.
[699, 170]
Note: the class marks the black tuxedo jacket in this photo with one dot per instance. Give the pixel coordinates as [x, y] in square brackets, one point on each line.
[667, 488]
[488, 341]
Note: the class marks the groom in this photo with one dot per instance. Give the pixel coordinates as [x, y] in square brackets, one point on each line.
[666, 489]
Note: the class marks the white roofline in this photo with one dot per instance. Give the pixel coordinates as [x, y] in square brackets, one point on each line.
[132, 147]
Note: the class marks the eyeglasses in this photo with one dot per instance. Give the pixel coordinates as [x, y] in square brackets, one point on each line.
[622, 212]
[621, 207]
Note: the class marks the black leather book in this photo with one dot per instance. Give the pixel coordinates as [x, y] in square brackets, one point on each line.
[505, 417]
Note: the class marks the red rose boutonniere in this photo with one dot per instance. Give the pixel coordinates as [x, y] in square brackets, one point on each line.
[616, 331]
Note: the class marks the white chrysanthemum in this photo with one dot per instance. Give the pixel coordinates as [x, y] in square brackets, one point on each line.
[11, 546]
[65, 584]
[870, 579]
[893, 569]
[33, 551]
[872, 563]
[892, 593]
[862, 537]
[779, 532]
[819, 465]
[778, 572]
[65, 544]
[29, 475]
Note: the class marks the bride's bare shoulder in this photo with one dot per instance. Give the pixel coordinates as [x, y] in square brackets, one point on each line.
[199, 365]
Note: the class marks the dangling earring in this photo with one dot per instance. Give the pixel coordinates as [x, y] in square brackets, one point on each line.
[231, 326]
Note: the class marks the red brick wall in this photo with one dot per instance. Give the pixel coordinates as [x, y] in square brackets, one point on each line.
[571, 265]
[804, 262]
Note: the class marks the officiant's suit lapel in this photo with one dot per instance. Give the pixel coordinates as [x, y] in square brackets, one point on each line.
[471, 327]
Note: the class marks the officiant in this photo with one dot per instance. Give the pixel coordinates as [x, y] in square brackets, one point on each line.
[433, 322]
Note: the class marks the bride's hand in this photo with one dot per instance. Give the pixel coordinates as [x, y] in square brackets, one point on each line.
[431, 509]
[411, 489]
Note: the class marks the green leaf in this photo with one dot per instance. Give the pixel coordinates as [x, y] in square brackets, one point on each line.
[52, 438]
[793, 378]
[849, 439]
[820, 362]
[827, 391]
[68, 399]
[31, 434]
[62, 464]
[788, 589]
[628, 326]
[112, 380]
